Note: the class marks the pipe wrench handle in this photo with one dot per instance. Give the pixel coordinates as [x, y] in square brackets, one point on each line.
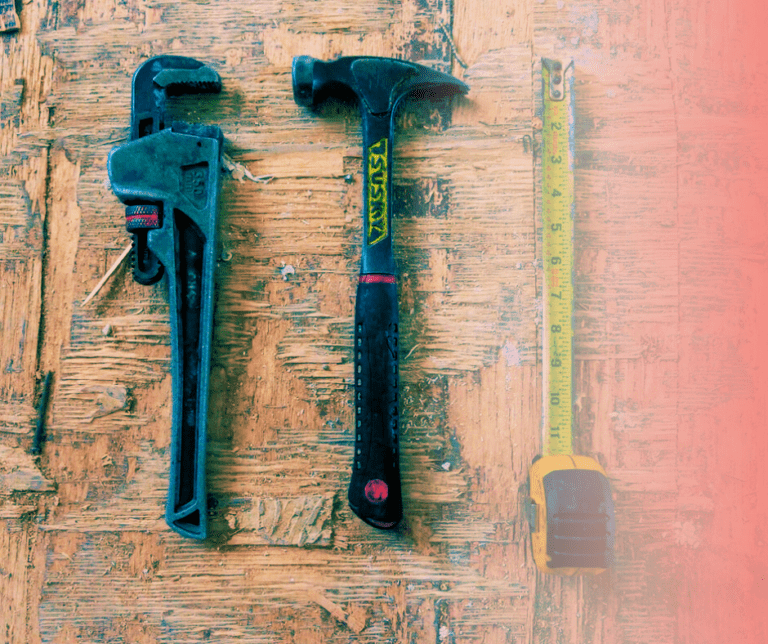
[179, 171]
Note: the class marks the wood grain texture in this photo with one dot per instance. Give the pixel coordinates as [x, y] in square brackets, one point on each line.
[669, 284]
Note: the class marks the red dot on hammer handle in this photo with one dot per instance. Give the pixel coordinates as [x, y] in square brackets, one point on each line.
[376, 491]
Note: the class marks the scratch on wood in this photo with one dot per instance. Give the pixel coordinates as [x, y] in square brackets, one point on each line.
[18, 472]
[301, 521]
[354, 617]
[239, 172]
[108, 400]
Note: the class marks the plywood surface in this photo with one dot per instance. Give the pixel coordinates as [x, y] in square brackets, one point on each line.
[670, 279]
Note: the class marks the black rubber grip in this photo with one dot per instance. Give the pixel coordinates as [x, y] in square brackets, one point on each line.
[374, 490]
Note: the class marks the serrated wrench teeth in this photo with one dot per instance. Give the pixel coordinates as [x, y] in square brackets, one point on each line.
[202, 80]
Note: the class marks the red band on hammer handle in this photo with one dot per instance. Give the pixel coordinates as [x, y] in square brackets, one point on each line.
[377, 278]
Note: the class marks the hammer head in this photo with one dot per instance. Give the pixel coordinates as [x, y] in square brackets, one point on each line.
[378, 83]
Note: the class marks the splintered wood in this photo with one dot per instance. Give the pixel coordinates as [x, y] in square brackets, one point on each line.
[9, 20]
[85, 555]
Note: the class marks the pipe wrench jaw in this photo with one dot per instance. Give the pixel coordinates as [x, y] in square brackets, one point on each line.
[169, 177]
[161, 77]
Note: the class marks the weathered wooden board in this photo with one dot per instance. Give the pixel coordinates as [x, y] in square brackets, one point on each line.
[670, 277]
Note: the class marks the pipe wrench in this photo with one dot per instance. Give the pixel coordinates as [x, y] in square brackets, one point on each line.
[169, 177]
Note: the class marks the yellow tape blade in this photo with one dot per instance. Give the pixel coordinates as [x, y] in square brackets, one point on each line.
[557, 213]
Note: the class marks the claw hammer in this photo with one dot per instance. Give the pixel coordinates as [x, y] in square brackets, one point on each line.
[379, 84]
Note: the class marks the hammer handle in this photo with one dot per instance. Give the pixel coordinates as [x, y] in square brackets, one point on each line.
[374, 490]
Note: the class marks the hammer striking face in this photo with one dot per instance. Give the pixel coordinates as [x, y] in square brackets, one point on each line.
[379, 85]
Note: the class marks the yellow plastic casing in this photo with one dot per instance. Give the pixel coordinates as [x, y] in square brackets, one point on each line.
[540, 468]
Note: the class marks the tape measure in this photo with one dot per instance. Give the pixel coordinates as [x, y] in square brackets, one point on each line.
[557, 211]
[570, 508]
